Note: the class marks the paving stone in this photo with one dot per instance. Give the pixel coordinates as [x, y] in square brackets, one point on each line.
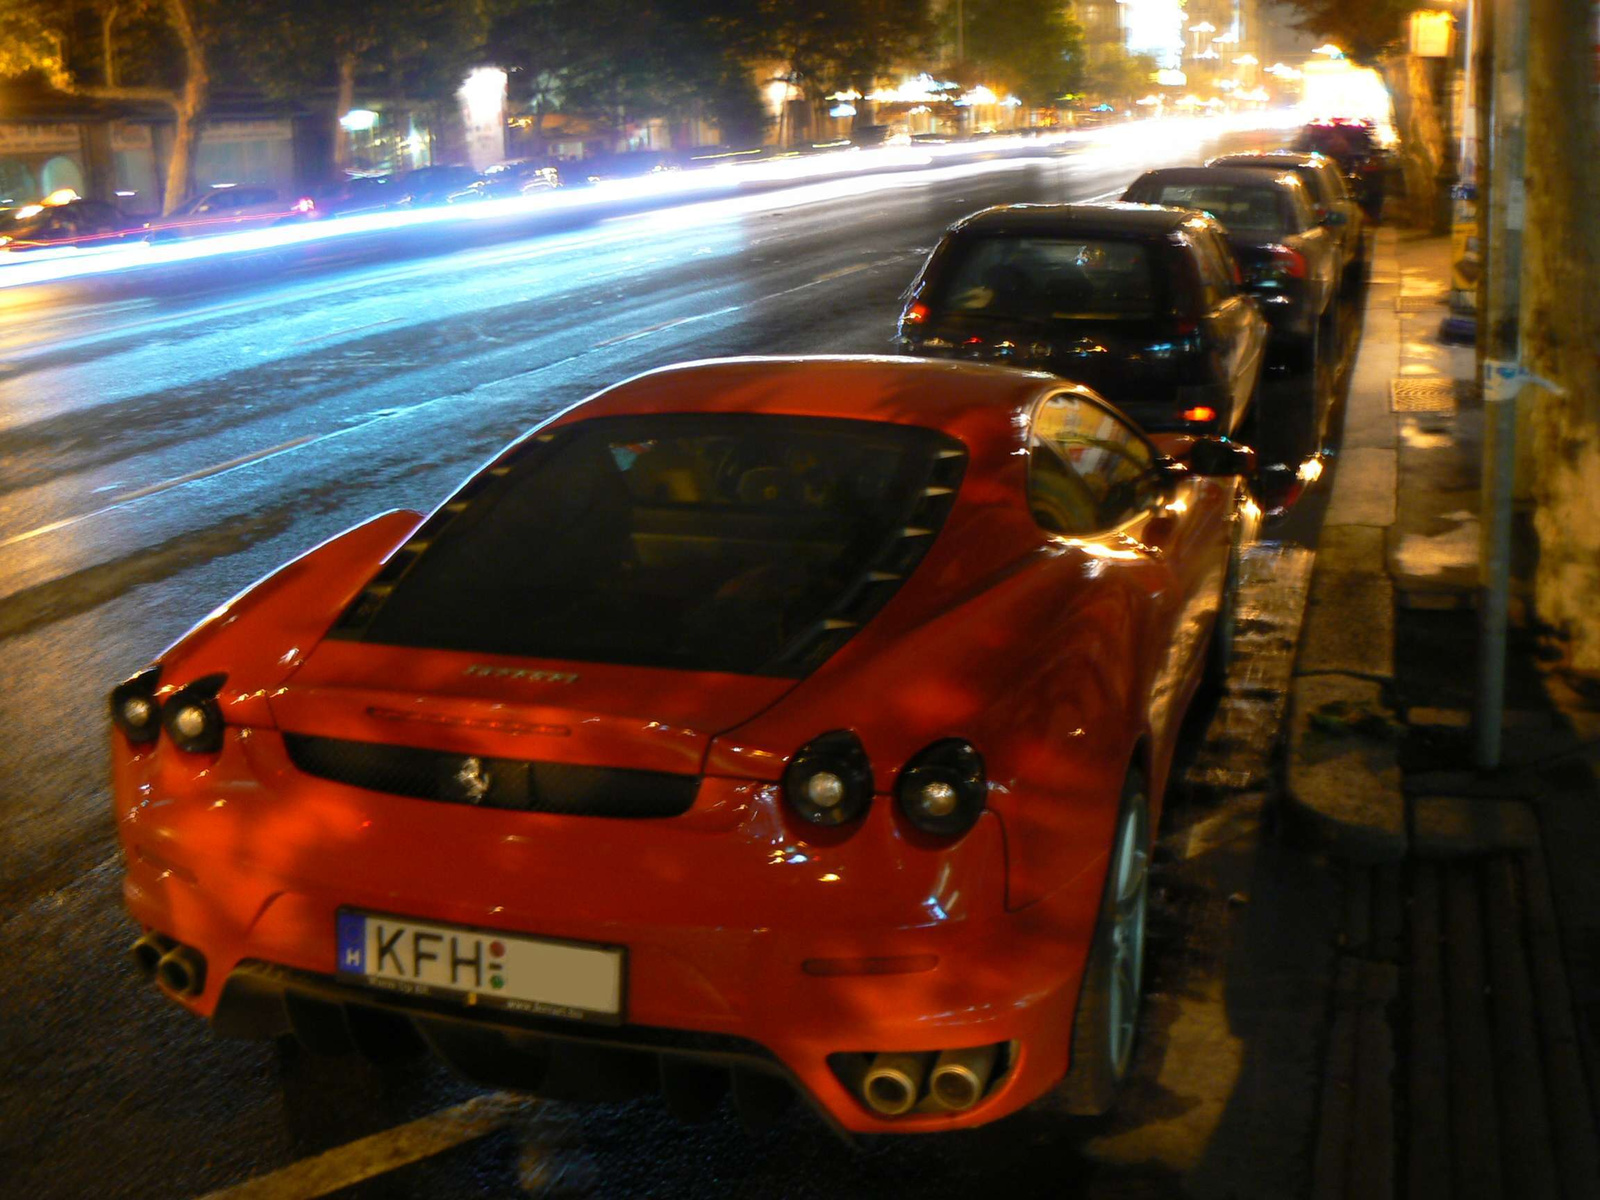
[1353, 548]
[1474, 1126]
[1343, 785]
[1525, 1142]
[1572, 1114]
[1427, 1058]
[1363, 488]
[1349, 625]
[1457, 826]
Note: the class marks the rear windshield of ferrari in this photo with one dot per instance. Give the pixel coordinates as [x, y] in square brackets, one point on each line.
[1052, 278]
[728, 542]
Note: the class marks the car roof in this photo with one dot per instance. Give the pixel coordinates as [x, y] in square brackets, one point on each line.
[980, 404]
[1110, 220]
[1244, 176]
[1288, 160]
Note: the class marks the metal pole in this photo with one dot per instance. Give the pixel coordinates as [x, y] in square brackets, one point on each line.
[1499, 344]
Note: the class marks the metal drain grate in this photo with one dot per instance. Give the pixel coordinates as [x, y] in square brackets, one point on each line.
[1422, 393]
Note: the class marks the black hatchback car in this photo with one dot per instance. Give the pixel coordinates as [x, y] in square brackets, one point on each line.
[1290, 257]
[1335, 204]
[1142, 304]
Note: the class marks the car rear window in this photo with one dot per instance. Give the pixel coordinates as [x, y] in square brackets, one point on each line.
[1040, 277]
[1242, 207]
[731, 542]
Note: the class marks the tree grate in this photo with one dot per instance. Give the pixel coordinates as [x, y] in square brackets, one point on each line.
[1422, 393]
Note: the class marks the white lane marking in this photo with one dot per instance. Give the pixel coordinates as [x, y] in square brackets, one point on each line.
[367, 1157]
[842, 272]
[649, 329]
[245, 460]
[164, 485]
[1104, 196]
[322, 337]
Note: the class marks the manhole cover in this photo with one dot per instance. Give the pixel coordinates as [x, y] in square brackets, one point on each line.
[1422, 393]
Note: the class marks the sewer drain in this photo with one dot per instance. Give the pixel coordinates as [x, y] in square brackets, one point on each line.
[1423, 393]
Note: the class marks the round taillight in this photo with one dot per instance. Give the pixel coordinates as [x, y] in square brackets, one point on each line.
[829, 781]
[942, 790]
[192, 717]
[134, 709]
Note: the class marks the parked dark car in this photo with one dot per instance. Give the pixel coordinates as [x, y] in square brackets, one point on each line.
[1355, 147]
[356, 195]
[428, 186]
[1290, 258]
[523, 177]
[229, 210]
[1143, 304]
[71, 223]
[1336, 205]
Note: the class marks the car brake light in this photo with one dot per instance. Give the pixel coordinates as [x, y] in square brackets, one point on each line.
[942, 790]
[916, 314]
[1200, 413]
[829, 780]
[1287, 262]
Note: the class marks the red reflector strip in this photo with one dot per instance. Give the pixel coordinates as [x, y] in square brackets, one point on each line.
[902, 964]
[1200, 413]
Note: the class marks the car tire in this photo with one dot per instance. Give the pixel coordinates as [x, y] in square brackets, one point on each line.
[1219, 655]
[1107, 1021]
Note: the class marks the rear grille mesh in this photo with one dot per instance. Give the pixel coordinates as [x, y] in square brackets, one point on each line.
[494, 782]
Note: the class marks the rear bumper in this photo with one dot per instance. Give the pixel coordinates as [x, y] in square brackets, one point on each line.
[1288, 312]
[721, 912]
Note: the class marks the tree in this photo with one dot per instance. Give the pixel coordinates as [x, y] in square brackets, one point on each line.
[1373, 33]
[420, 49]
[1561, 321]
[830, 45]
[1033, 47]
[1120, 78]
[149, 50]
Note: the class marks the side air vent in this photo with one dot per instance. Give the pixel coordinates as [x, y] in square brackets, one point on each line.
[493, 782]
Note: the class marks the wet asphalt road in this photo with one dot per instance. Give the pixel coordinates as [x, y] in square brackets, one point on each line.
[160, 450]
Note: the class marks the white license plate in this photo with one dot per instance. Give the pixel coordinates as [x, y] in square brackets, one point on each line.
[482, 967]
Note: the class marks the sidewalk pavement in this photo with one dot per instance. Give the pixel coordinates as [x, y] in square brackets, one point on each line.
[1463, 1059]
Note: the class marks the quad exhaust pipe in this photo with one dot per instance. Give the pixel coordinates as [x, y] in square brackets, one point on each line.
[893, 1082]
[178, 968]
[896, 1083]
[148, 952]
[960, 1077]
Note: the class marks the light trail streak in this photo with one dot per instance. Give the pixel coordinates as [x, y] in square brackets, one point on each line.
[300, 443]
[723, 181]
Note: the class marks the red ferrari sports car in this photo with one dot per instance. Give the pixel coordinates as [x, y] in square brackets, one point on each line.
[794, 725]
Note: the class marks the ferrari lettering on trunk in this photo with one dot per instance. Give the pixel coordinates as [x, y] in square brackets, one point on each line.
[481, 671]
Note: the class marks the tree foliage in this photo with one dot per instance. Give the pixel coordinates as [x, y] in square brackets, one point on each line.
[146, 50]
[1120, 78]
[1032, 47]
[416, 48]
[1364, 29]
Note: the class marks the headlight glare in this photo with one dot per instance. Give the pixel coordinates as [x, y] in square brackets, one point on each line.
[829, 780]
[943, 789]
